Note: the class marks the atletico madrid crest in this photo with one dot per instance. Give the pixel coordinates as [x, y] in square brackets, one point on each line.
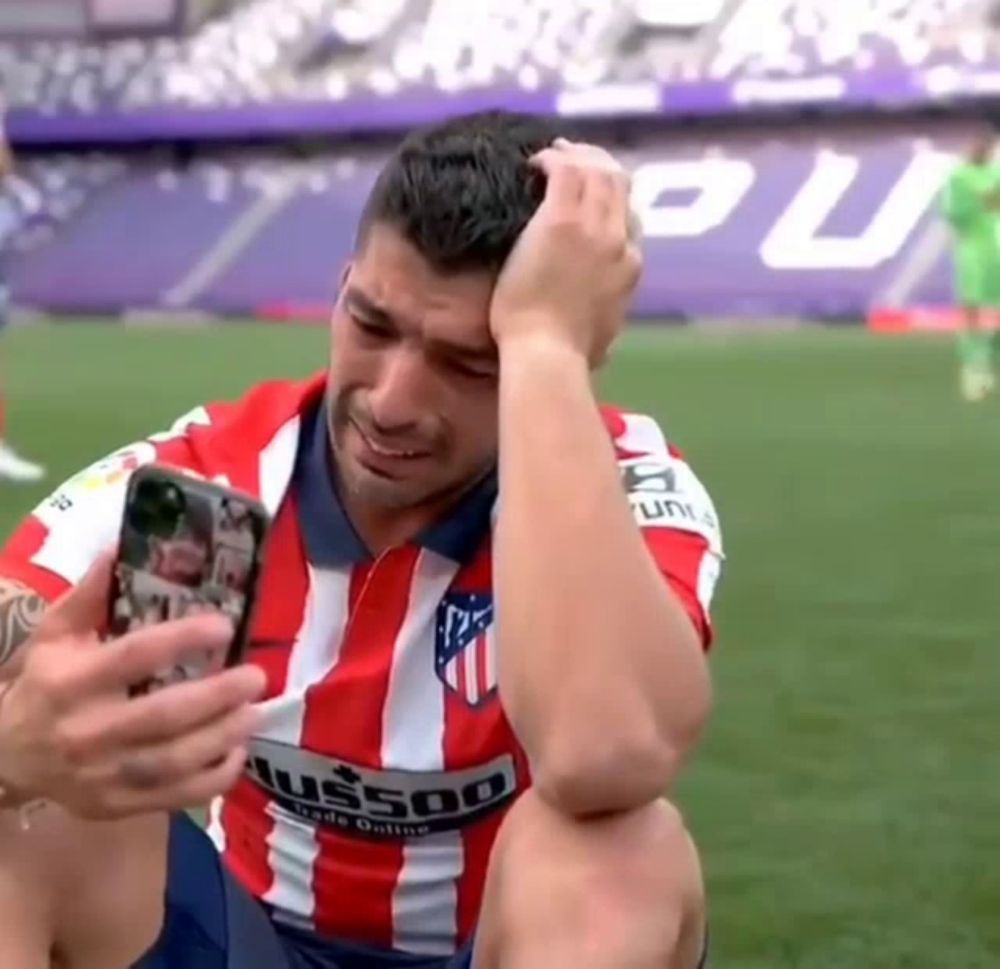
[465, 647]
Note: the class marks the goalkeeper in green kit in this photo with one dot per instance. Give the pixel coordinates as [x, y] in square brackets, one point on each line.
[972, 207]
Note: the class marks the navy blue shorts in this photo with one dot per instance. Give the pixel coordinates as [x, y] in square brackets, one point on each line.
[212, 922]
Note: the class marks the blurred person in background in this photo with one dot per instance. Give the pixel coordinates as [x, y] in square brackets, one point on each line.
[13, 467]
[971, 205]
[435, 778]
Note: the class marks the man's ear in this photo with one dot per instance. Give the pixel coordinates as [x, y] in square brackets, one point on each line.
[345, 273]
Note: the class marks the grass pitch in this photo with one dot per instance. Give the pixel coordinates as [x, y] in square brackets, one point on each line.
[847, 801]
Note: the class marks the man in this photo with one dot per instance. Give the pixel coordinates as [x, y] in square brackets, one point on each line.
[13, 467]
[972, 207]
[433, 777]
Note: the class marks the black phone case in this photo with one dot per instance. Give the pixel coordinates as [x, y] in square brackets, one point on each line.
[199, 553]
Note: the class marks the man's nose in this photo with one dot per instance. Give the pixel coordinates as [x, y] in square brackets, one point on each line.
[402, 392]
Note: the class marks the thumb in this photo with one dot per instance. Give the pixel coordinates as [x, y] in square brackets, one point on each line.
[84, 608]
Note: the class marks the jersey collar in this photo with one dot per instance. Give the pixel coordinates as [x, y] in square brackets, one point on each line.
[331, 539]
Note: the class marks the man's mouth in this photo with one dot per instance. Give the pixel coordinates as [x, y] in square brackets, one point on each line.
[384, 450]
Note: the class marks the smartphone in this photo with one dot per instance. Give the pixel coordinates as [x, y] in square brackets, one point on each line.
[186, 546]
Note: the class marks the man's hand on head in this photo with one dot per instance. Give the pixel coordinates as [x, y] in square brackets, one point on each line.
[574, 269]
[633, 686]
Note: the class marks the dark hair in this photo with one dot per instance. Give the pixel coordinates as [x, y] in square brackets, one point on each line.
[461, 192]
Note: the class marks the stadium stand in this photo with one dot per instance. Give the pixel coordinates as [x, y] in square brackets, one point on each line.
[237, 58]
[43, 195]
[97, 261]
[772, 224]
[328, 49]
[799, 37]
[805, 224]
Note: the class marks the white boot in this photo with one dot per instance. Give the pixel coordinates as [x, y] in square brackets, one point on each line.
[15, 468]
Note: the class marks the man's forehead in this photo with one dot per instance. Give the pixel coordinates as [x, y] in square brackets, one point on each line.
[446, 325]
[386, 258]
[401, 284]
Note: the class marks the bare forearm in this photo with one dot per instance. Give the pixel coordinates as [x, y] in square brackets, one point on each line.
[601, 670]
[21, 610]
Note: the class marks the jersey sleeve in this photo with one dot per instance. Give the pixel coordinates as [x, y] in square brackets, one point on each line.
[675, 514]
[56, 544]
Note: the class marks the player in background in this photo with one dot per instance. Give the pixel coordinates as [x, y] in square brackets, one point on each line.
[971, 205]
[12, 466]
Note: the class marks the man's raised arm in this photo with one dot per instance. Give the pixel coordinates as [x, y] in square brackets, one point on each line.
[601, 669]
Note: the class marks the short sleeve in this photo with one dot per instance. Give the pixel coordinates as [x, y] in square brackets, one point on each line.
[675, 514]
[53, 548]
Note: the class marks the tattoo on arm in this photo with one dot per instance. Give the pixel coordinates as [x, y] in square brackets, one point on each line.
[21, 610]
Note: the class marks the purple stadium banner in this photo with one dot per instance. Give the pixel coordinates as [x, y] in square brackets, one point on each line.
[823, 224]
[894, 89]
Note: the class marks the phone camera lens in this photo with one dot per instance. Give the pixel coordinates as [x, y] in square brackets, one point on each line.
[157, 508]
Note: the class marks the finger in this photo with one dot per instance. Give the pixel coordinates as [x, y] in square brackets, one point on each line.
[634, 228]
[194, 791]
[633, 265]
[608, 180]
[162, 715]
[619, 213]
[598, 204]
[83, 608]
[138, 655]
[592, 156]
[170, 763]
[564, 183]
[202, 787]
[606, 184]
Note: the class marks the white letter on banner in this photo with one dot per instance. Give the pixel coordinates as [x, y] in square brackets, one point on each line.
[721, 184]
[795, 242]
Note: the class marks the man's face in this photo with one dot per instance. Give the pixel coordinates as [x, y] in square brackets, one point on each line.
[413, 376]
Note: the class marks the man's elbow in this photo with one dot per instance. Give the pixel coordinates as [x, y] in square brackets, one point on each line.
[605, 771]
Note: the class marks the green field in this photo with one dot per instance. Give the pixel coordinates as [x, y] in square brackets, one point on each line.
[847, 801]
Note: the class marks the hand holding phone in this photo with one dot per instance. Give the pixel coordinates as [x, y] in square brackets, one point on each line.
[71, 733]
[149, 718]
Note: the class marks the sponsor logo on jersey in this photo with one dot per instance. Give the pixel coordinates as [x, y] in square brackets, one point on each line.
[381, 804]
[465, 649]
[665, 493]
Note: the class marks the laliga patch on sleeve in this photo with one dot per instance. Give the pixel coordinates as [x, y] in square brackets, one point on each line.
[92, 487]
[666, 493]
[82, 517]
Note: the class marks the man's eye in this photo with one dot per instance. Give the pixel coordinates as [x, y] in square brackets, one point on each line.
[372, 330]
[472, 373]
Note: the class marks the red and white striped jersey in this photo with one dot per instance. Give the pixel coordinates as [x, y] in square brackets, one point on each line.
[384, 763]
